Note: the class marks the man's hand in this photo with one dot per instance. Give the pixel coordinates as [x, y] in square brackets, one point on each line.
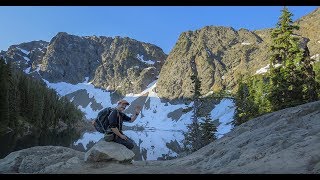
[124, 137]
[137, 111]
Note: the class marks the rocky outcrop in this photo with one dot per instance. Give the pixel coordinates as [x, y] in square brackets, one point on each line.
[108, 151]
[40, 159]
[285, 141]
[26, 55]
[121, 64]
[70, 58]
[310, 28]
[220, 54]
[50, 159]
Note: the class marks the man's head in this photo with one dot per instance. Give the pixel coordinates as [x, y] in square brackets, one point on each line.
[122, 104]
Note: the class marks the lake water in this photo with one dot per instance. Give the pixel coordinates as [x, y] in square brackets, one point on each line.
[13, 142]
[149, 144]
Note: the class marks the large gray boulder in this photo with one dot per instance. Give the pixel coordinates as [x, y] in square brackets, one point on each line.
[40, 159]
[285, 141]
[108, 151]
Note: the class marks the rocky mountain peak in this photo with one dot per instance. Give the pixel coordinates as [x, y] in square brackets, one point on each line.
[222, 54]
[26, 55]
[118, 63]
[216, 50]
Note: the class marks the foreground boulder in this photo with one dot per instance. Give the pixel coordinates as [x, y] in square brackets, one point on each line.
[40, 159]
[109, 151]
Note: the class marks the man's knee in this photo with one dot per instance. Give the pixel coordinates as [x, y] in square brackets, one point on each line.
[130, 145]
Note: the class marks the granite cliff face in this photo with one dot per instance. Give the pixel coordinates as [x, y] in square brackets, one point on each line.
[26, 56]
[121, 64]
[221, 54]
[310, 28]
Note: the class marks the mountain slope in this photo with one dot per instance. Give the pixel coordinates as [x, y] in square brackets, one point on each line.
[121, 64]
[222, 54]
[310, 28]
[286, 141]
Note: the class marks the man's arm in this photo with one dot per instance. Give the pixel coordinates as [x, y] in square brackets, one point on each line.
[137, 111]
[113, 122]
[117, 132]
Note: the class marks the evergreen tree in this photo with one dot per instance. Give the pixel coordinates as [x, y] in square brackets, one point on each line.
[316, 68]
[245, 106]
[14, 96]
[293, 82]
[208, 130]
[23, 92]
[4, 95]
[310, 85]
[38, 107]
[282, 41]
[192, 140]
[258, 90]
[26, 100]
[198, 133]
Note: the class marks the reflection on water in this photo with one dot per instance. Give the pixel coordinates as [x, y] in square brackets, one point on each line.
[13, 141]
[149, 144]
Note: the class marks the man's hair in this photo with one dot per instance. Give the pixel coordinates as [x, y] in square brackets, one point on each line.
[122, 101]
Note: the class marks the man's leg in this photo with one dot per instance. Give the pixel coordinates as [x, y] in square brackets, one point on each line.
[128, 143]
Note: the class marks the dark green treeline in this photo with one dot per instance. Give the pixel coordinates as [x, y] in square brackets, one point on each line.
[27, 103]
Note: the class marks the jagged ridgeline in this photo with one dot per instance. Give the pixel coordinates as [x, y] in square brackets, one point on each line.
[117, 64]
[223, 54]
[27, 104]
[121, 64]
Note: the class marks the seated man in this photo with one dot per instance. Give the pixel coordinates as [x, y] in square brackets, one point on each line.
[116, 119]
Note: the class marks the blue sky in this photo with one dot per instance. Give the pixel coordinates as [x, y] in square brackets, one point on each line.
[159, 25]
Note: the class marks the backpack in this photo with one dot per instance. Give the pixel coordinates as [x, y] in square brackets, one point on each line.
[101, 123]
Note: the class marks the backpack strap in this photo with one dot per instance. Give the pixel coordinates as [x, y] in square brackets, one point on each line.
[108, 128]
[119, 117]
